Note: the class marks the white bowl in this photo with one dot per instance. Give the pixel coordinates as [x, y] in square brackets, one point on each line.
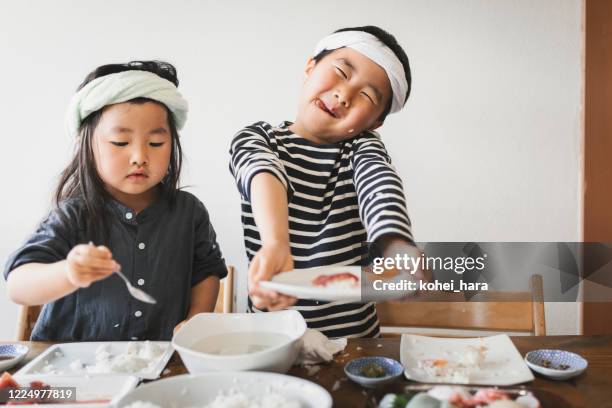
[196, 390]
[277, 358]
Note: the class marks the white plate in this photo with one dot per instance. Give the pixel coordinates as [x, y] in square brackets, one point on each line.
[60, 356]
[298, 283]
[503, 364]
[111, 388]
[201, 389]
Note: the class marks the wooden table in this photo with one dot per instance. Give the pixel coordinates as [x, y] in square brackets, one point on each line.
[591, 389]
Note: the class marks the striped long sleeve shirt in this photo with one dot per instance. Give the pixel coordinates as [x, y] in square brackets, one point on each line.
[340, 196]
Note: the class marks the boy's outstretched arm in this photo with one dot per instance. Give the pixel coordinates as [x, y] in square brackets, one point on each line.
[382, 205]
[263, 182]
[393, 245]
[271, 213]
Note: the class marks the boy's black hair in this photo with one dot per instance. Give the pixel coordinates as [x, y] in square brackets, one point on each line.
[80, 179]
[390, 41]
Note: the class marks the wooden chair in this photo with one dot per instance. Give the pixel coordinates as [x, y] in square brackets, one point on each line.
[521, 312]
[225, 299]
[225, 304]
[26, 321]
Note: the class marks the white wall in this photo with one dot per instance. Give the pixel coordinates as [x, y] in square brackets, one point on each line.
[488, 145]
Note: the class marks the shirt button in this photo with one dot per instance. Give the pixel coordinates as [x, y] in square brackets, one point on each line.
[138, 313]
[141, 245]
[128, 215]
[140, 282]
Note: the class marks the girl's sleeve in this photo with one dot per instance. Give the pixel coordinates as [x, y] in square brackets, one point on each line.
[252, 152]
[382, 206]
[208, 260]
[53, 239]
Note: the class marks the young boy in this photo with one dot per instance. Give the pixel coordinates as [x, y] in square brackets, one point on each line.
[315, 190]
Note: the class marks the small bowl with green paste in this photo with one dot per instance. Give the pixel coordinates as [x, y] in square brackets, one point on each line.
[372, 372]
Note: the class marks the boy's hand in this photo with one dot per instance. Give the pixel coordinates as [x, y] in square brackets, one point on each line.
[393, 246]
[86, 264]
[269, 260]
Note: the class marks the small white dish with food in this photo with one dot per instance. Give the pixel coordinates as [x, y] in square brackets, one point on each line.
[144, 359]
[327, 283]
[556, 364]
[71, 391]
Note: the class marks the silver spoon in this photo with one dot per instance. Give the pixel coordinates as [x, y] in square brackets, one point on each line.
[135, 292]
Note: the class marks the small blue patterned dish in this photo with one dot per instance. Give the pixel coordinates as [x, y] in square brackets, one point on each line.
[392, 368]
[11, 354]
[556, 364]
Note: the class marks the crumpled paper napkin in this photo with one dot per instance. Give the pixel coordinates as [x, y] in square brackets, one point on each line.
[317, 348]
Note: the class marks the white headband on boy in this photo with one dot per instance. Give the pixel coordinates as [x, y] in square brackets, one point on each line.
[370, 46]
[121, 87]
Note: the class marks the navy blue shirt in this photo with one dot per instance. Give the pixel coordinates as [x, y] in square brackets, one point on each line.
[164, 250]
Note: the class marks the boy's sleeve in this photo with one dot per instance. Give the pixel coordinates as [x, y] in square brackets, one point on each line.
[208, 260]
[253, 152]
[382, 206]
[51, 242]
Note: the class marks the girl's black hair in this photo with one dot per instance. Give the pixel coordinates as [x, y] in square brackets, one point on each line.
[81, 179]
[390, 41]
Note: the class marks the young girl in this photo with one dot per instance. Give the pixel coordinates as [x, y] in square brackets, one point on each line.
[315, 190]
[120, 191]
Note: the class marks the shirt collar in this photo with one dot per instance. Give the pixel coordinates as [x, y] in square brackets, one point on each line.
[129, 216]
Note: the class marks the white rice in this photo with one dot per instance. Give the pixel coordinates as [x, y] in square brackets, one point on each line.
[142, 404]
[236, 399]
[137, 357]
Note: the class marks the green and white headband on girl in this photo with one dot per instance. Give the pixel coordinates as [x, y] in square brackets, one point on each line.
[122, 87]
[370, 46]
